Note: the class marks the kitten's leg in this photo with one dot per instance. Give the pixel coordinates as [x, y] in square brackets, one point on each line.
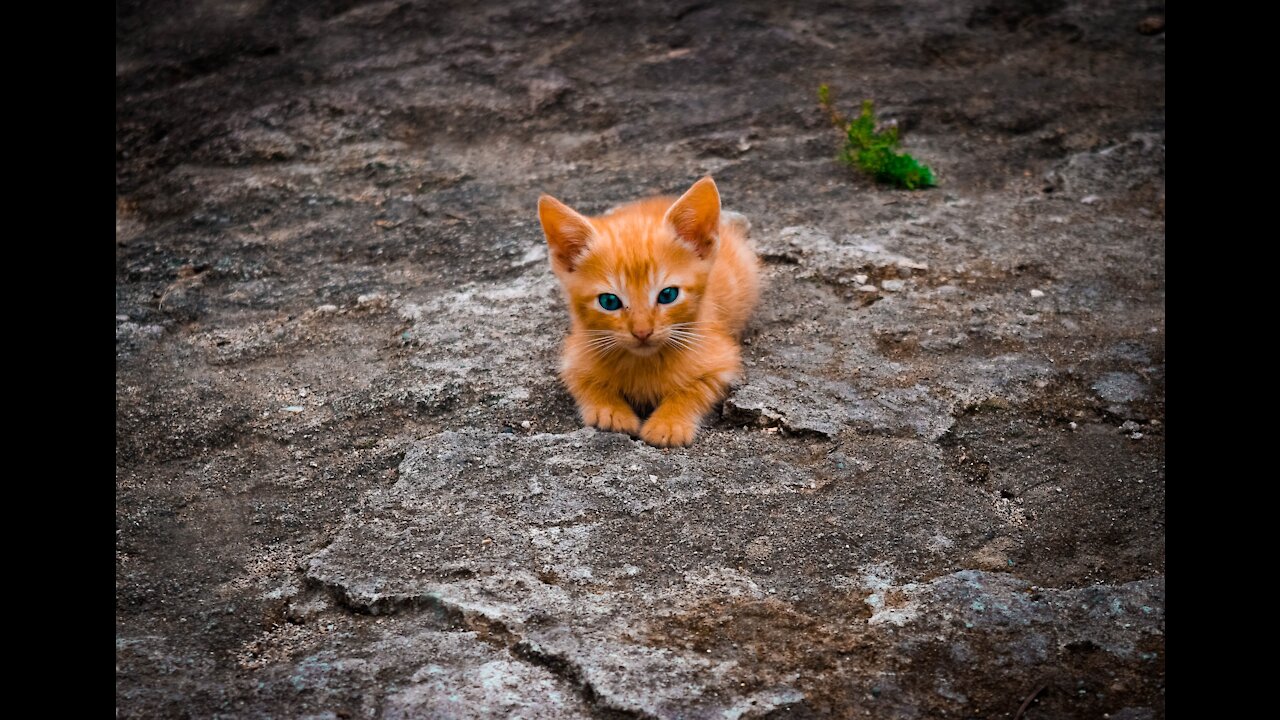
[675, 420]
[602, 407]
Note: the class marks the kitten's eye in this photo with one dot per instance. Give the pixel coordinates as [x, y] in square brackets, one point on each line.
[668, 295]
[609, 301]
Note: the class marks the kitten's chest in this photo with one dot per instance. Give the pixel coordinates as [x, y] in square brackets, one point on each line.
[645, 386]
[644, 391]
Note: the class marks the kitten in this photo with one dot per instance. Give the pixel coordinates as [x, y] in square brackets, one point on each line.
[659, 291]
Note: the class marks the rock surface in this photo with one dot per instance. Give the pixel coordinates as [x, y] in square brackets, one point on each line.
[349, 483]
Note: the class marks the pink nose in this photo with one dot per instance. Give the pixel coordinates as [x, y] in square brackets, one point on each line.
[642, 335]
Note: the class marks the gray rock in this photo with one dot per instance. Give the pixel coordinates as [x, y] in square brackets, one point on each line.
[1120, 387]
[533, 539]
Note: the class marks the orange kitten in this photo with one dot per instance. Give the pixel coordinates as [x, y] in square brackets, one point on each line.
[659, 291]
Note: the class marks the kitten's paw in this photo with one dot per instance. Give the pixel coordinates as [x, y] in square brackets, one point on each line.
[668, 433]
[613, 419]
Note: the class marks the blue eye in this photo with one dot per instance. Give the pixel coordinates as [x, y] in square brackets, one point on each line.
[609, 301]
[668, 295]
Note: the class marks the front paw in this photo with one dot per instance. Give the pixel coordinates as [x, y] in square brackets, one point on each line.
[614, 419]
[663, 432]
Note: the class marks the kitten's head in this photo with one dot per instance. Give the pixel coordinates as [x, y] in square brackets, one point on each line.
[636, 277]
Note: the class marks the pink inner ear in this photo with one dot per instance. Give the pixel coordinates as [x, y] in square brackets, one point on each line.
[566, 255]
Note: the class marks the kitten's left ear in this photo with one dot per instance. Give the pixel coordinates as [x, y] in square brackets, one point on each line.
[696, 216]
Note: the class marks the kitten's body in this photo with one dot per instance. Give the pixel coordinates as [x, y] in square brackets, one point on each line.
[677, 357]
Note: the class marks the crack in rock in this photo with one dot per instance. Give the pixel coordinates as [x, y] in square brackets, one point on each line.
[816, 367]
[855, 262]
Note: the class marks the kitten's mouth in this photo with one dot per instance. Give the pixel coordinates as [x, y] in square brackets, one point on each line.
[645, 349]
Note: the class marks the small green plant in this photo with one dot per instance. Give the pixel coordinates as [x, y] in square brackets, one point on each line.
[873, 151]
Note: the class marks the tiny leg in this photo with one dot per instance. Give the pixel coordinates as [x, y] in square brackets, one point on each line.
[675, 421]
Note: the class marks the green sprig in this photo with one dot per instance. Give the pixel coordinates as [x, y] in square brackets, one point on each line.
[872, 151]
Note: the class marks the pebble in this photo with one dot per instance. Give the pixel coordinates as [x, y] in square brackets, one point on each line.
[1090, 199]
[860, 279]
[327, 309]
[1151, 25]
[293, 408]
[1072, 425]
[1130, 426]
[1037, 293]
[893, 285]
[526, 424]
[868, 288]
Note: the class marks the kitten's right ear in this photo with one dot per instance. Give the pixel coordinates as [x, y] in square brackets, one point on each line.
[567, 233]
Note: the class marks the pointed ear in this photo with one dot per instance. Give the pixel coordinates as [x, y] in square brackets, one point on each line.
[696, 216]
[567, 233]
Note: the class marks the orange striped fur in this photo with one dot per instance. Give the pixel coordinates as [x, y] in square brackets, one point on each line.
[674, 359]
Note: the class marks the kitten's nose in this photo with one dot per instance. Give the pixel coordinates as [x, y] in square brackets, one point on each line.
[642, 335]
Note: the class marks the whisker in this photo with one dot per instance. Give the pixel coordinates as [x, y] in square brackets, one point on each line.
[691, 323]
[680, 343]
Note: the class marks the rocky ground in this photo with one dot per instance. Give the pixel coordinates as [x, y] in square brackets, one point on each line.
[349, 485]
